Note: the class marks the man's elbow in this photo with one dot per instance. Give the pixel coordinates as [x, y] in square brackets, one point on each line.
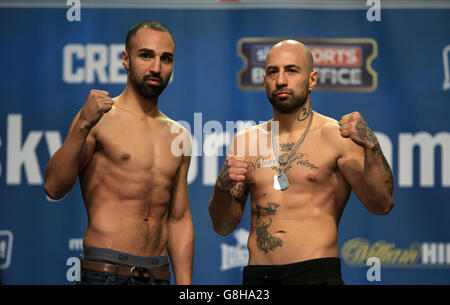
[52, 192]
[222, 229]
[385, 207]
[389, 206]
[218, 226]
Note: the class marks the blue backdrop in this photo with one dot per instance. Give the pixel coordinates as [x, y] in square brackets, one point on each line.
[395, 72]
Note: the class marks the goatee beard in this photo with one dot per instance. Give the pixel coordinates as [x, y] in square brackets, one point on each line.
[290, 104]
[145, 90]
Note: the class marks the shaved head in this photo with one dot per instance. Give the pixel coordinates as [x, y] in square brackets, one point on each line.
[294, 46]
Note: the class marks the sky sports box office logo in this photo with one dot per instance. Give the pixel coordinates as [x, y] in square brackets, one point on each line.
[342, 64]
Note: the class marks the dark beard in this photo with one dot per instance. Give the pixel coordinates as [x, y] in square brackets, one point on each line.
[290, 104]
[145, 90]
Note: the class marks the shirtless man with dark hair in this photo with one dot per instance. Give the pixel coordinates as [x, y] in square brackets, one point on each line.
[300, 185]
[134, 189]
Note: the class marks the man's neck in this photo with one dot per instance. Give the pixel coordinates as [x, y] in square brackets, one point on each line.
[289, 122]
[132, 101]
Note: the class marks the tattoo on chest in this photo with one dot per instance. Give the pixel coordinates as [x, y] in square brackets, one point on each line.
[264, 240]
[299, 159]
[286, 147]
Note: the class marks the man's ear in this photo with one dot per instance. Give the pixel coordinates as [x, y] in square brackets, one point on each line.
[125, 60]
[313, 77]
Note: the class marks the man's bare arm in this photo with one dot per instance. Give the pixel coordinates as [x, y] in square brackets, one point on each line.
[65, 165]
[368, 172]
[181, 229]
[230, 195]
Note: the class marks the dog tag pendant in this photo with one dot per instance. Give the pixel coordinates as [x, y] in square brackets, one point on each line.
[280, 182]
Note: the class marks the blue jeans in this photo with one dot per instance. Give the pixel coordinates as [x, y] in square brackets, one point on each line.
[88, 277]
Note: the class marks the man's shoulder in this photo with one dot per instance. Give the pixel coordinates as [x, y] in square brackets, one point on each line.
[328, 129]
[173, 126]
[324, 121]
[254, 129]
[326, 125]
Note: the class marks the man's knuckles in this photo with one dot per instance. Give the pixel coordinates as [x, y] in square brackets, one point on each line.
[236, 163]
[237, 170]
[236, 177]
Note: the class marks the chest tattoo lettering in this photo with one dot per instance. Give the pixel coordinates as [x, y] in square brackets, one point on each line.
[300, 159]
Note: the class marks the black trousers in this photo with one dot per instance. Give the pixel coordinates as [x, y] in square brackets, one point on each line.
[320, 271]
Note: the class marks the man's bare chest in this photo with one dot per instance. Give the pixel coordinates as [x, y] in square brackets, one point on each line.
[306, 166]
[138, 148]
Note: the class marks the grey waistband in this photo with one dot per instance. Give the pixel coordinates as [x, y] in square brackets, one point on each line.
[122, 258]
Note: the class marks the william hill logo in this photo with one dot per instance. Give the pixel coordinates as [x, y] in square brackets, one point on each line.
[342, 64]
[355, 253]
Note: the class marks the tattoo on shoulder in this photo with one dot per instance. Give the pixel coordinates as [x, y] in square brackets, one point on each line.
[264, 240]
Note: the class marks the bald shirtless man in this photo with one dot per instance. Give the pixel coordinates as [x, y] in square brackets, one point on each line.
[134, 188]
[300, 185]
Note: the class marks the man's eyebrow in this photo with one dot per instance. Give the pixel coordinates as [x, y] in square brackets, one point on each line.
[285, 67]
[153, 52]
[291, 66]
[168, 54]
[146, 50]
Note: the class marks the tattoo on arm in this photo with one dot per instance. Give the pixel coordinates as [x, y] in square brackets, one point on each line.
[364, 132]
[238, 190]
[264, 240]
[376, 150]
[225, 183]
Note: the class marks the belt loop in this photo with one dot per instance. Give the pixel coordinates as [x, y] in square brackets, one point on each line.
[152, 276]
[116, 271]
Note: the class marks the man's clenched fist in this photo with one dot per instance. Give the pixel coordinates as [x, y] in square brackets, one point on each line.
[97, 104]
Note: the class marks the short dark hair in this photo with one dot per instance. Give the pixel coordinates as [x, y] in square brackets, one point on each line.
[155, 25]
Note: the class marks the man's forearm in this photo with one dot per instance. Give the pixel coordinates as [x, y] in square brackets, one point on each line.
[221, 213]
[63, 168]
[181, 251]
[228, 200]
[378, 179]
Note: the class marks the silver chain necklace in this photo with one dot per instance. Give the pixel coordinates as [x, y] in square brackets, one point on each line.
[280, 181]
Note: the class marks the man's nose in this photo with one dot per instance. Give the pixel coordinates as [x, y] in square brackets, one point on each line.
[155, 66]
[281, 80]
